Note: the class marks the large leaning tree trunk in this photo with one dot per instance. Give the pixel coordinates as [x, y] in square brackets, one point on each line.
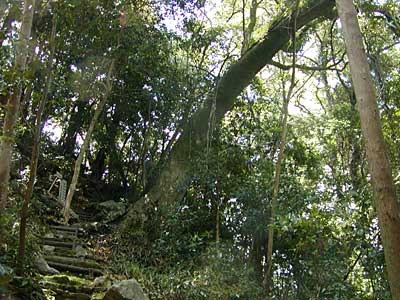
[175, 174]
[377, 156]
[13, 102]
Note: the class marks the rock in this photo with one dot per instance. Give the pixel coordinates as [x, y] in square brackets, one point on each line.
[112, 210]
[68, 295]
[125, 290]
[80, 251]
[93, 226]
[49, 249]
[42, 266]
[65, 279]
[102, 281]
[49, 235]
[59, 279]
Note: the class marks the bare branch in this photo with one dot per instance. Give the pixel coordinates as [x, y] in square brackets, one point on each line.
[308, 68]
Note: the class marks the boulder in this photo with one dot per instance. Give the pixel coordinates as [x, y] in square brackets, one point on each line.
[102, 281]
[80, 251]
[112, 210]
[125, 290]
[49, 249]
[42, 266]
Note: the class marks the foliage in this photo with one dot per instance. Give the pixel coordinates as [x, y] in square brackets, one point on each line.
[170, 55]
[218, 273]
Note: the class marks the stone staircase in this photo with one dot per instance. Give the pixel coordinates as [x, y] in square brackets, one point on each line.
[64, 249]
[69, 287]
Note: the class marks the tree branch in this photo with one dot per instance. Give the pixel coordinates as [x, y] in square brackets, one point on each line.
[308, 68]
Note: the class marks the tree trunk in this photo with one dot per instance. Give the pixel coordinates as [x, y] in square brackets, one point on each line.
[35, 155]
[277, 173]
[274, 199]
[248, 32]
[217, 210]
[256, 253]
[71, 129]
[377, 157]
[174, 177]
[86, 143]
[13, 103]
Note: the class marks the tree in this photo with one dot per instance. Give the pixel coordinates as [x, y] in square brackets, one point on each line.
[13, 102]
[378, 161]
[280, 160]
[176, 171]
[183, 103]
[35, 152]
[86, 142]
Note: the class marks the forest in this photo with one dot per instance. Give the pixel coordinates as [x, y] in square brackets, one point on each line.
[199, 149]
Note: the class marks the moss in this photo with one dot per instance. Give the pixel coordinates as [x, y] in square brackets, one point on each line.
[66, 279]
[98, 296]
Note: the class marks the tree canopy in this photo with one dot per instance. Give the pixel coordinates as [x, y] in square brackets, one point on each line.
[229, 133]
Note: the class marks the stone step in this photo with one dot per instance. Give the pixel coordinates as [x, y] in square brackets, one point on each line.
[71, 253]
[65, 237]
[79, 262]
[69, 228]
[62, 251]
[60, 235]
[58, 243]
[75, 269]
[86, 217]
[71, 287]
[65, 295]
